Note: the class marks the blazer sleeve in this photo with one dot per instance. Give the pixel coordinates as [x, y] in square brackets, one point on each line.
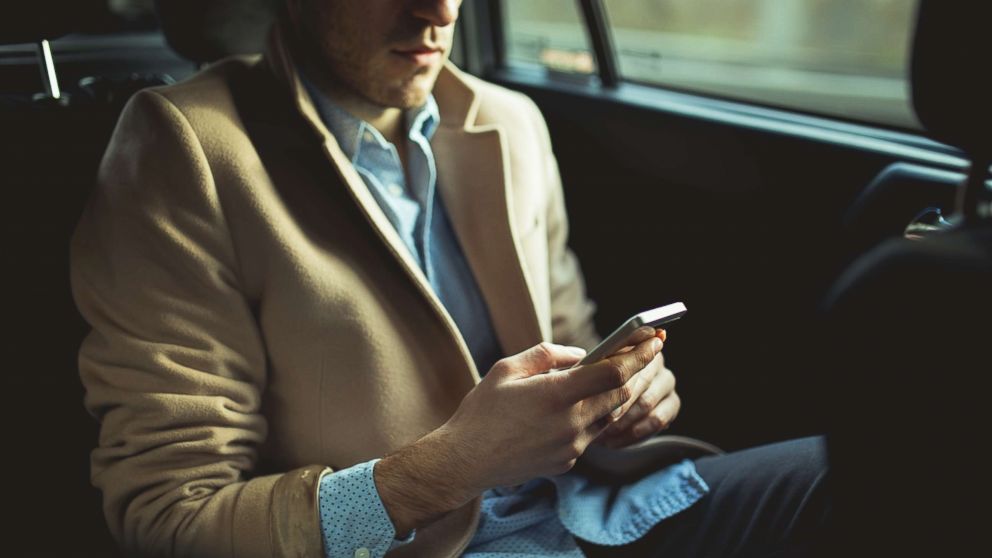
[174, 365]
[571, 310]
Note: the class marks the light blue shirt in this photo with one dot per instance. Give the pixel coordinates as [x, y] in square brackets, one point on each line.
[543, 516]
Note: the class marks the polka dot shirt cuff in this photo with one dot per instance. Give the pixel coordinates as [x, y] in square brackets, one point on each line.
[353, 521]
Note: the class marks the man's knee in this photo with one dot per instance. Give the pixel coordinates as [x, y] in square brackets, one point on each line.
[776, 492]
[800, 463]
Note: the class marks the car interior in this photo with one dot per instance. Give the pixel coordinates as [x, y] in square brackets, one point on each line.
[743, 198]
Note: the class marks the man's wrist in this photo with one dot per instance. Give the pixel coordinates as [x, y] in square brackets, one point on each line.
[421, 482]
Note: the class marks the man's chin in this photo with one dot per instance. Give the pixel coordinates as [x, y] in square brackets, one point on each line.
[412, 90]
[406, 97]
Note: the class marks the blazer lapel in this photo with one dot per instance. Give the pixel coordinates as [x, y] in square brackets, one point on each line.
[281, 63]
[473, 181]
[472, 166]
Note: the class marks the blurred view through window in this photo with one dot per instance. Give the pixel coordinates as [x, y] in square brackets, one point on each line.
[550, 33]
[845, 58]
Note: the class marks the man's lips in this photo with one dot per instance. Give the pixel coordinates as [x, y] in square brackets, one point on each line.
[421, 56]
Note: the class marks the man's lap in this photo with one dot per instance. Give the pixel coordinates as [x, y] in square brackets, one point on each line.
[763, 501]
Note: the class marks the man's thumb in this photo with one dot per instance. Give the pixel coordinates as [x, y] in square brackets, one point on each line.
[543, 357]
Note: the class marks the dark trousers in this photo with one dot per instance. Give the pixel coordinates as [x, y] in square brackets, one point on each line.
[765, 501]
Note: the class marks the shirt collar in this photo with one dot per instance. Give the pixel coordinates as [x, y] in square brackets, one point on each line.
[351, 132]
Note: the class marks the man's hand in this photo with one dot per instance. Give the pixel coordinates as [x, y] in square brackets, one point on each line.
[524, 420]
[653, 410]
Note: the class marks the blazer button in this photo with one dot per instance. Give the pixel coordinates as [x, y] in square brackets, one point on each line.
[362, 553]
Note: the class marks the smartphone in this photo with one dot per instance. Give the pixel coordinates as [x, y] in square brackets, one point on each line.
[619, 338]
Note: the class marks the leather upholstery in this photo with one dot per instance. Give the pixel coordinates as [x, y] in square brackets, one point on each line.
[205, 31]
[29, 22]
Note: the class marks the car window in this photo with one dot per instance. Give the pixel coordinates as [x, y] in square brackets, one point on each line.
[549, 33]
[841, 58]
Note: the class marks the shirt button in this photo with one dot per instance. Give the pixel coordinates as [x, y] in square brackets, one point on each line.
[362, 553]
[368, 136]
[395, 189]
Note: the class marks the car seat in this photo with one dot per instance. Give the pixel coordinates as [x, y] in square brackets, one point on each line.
[905, 340]
[53, 136]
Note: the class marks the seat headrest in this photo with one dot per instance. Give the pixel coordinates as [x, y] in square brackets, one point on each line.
[35, 20]
[951, 59]
[207, 30]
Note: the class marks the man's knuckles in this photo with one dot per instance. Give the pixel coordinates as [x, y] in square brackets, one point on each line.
[547, 353]
[575, 449]
[622, 395]
[615, 372]
[664, 414]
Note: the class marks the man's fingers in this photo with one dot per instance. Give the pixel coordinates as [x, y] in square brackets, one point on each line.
[539, 358]
[599, 407]
[610, 374]
[663, 384]
[641, 382]
[623, 398]
[661, 334]
[658, 419]
[640, 334]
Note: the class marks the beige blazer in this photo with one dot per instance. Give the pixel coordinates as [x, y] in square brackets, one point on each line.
[258, 323]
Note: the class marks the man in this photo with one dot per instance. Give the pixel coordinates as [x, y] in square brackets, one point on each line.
[296, 270]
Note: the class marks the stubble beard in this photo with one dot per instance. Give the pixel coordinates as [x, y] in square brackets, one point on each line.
[344, 67]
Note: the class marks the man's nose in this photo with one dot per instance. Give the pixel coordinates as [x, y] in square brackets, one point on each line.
[437, 12]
